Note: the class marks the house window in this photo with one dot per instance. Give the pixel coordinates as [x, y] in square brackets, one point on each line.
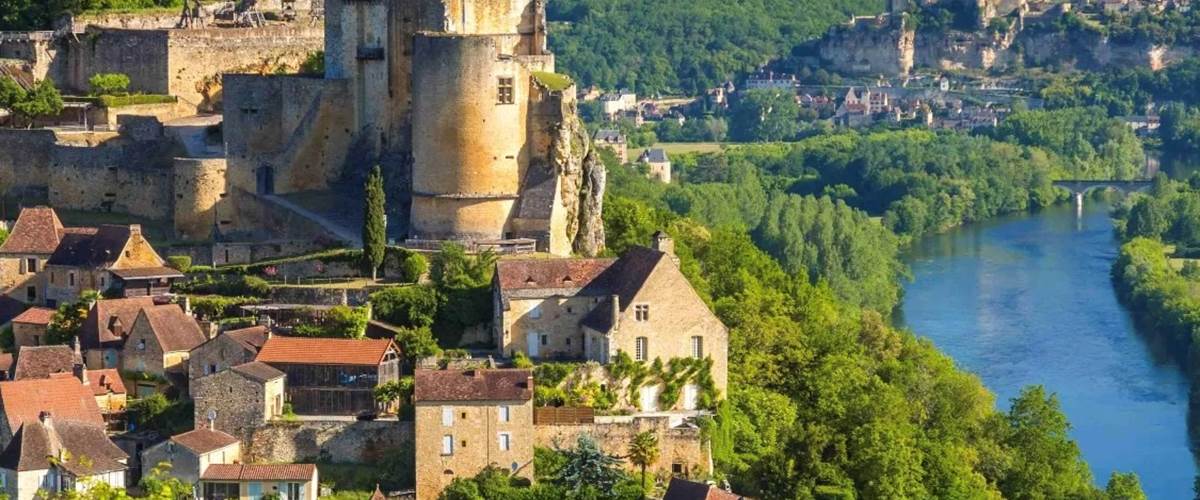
[447, 445]
[545, 339]
[697, 347]
[31, 293]
[51, 277]
[641, 346]
[677, 469]
[505, 441]
[37, 340]
[141, 344]
[102, 282]
[505, 94]
[641, 312]
[293, 491]
[447, 416]
[22, 269]
[71, 278]
[31, 263]
[505, 413]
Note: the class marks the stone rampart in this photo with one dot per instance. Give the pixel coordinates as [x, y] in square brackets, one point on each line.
[338, 441]
[682, 450]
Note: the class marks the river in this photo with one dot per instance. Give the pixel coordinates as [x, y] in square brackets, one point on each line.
[1027, 300]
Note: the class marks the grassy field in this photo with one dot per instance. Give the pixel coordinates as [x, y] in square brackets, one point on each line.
[681, 147]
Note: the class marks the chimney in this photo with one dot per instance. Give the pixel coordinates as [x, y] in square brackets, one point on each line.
[80, 373]
[46, 418]
[663, 243]
[187, 305]
[78, 351]
[135, 229]
[476, 373]
[616, 312]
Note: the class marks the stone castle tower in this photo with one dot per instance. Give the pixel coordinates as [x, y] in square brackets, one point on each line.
[459, 98]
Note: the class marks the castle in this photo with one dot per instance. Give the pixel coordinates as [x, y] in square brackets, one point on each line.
[457, 100]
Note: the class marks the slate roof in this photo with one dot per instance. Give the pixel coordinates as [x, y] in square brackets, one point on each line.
[319, 351]
[259, 472]
[473, 385]
[35, 362]
[10, 308]
[259, 371]
[654, 155]
[35, 316]
[609, 135]
[201, 441]
[627, 276]
[65, 397]
[37, 231]
[85, 448]
[681, 489]
[93, 250]
[105, 313]
[252, 337]
[175, 330]
[105, 381]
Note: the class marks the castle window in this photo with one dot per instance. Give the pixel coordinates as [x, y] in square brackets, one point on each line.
[641, 312]
[505, 93]
[697, 347]
[447, 445]
[71, 278]
[641, 346]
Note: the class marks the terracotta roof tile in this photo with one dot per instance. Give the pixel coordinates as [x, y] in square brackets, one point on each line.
[35, 316]
[6, 363]
[105, 381]
[473, 385]
[37, 231]
[259, 472]
[319, 351]
[259, 371]
[546, 277]
[65, 397]
[175, 330]
[35, 362]
[201, 441]
[107, 314]
[35, 442]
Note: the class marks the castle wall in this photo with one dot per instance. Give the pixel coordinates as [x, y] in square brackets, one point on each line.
[684, 447]
[140, 54]
[199, 185]
[469, 149]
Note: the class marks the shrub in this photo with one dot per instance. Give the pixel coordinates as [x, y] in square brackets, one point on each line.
[413, 267]
[182, 263]
[339, 322]
[235, 286]
[109, 83]
[407, 306]
[112, 101]
[520, 360]
[218, 307]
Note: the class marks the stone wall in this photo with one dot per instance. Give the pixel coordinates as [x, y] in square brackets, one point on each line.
[239, 402]
[682, 448]
[338, 441]
[319, 296]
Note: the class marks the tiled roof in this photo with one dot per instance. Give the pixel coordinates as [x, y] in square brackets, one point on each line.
[36, 231]
[175, 330]
[105, 381]
[252, 337]
[317, 351]
[96, 250]
[257, 370]
[627, 275]
[84, 447]
[681, 489]
[201, 441]
[6, 363]
[553, 274]
[473, 385]
[43, 361]
[259, 472]
[65, 397]
[107, 313]
[35, 316]
[147, 273]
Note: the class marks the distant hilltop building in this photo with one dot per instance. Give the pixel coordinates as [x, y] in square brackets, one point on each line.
[457, 99]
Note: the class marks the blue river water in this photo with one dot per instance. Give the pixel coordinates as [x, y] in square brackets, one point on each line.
[1027, 300]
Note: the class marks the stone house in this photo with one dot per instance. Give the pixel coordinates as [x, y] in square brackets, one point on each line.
[332, 376]
[160, 341]
[114, 259]
[190, 453]
[49, 456]
[640, 304]
[45, 361]
[107, 324]
[29, 327]
[612, 139]
[33, 238]
[225, 350]
[240, 399]
[66, 398]
[254, 481]
[467, 420]
[659, 163]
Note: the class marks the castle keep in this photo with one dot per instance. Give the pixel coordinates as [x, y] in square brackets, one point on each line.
[456, 99]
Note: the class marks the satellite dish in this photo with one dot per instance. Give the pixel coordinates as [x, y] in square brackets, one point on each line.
[212, 414]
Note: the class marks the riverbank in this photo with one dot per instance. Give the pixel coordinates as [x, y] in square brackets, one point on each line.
[1025, 299]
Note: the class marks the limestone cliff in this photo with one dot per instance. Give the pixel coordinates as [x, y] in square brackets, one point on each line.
[583, 181]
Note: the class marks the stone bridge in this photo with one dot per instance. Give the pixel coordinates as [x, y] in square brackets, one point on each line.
[1080, 187]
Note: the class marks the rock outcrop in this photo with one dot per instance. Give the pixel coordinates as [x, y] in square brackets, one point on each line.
[583, 182]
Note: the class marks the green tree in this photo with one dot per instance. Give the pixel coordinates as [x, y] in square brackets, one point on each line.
[765, 115]
[643, 451]
[67, 321]
[417, 343]
[1124, 486]
[1146, 218]
[1046, 461]
[374, 232]
[42, 100]
[408, 306]
[587, 466]
[10, 93]
[160, 485]
[109, 84]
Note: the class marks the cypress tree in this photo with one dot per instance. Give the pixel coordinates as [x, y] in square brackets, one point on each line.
[374, 232]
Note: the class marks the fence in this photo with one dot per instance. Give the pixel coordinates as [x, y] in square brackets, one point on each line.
[550, 415]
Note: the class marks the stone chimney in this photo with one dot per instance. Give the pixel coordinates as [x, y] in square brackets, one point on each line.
[186, 303]
[135, 229]
[616, 312]
[46, 418]
[80, 373]
[663, 243]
